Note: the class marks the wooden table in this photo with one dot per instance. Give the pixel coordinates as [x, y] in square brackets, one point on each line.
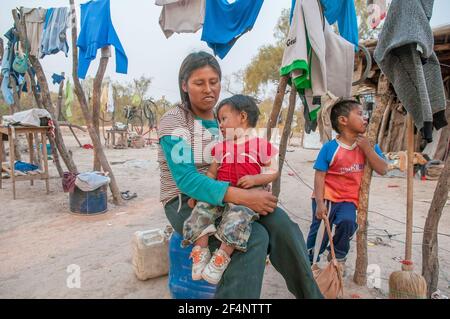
[111, 137]
[30, 132]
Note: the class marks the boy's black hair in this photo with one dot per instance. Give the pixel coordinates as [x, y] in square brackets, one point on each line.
[341, 108]
[242, 103]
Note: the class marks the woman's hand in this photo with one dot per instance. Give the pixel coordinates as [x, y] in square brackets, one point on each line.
[192, 202]
[260, 201]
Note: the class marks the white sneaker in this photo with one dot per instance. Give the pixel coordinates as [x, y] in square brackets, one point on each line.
[214, 269]
[200, 258]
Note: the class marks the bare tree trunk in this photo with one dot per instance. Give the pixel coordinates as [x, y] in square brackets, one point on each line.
[383, 100]
[96, 98]
[384, 123]
[430, 247]
[277, 106]
[45, 93]
[284, 139]
[87, 116]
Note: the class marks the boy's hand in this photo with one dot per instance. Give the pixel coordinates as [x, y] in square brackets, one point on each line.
[363, 142]
[192, 202]
[246, 181]
[321, 210]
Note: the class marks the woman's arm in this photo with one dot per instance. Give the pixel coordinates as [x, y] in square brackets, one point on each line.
[188, 180]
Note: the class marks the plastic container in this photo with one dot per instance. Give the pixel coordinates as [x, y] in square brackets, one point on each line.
[151, 253]
[89, 203]
[181, 285]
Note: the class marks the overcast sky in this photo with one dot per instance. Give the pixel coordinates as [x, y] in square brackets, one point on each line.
[151, 54]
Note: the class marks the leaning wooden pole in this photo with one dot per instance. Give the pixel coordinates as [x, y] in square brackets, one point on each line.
[383, 99]
[87, 115]
[277, 106]
[96, 98]
[430, 247]
[45, 94]
[284, 141]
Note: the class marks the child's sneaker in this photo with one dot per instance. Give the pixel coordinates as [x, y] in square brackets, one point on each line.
[200, 258]
[214, 269]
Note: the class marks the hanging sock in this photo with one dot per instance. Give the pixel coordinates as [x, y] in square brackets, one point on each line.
[57, 79]
[225, 22]
[344, 13]
[68, 99]
[97, 31]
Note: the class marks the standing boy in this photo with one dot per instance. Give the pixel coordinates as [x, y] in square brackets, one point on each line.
[339, 170]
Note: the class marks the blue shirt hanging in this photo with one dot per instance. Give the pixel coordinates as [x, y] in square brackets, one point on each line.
[97, 31]
[344, 12]
[225, 22]
[57, 79]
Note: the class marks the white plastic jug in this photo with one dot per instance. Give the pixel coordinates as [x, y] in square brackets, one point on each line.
[151, 253]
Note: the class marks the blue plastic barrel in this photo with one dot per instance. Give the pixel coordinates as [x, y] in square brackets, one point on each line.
[89, 203]
[181, 285]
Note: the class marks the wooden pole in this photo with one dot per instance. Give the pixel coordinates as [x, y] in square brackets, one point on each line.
[45, 94]
[284, 139]
[383, 100]
[277, 106]
[410, 187]
[96, 98]
[87, 115]
[430, 247]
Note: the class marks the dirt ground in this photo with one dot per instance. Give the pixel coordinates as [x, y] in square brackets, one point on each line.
[40, 238]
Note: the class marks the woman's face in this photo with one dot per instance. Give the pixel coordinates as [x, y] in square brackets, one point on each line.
[203, 88]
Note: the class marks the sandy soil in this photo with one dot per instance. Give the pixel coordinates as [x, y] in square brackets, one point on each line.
[40, 238]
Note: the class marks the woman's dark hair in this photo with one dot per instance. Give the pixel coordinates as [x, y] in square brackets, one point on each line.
[242, 103]
[191, 63]
[341, 108]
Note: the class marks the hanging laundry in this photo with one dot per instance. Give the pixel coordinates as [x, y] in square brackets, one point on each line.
[405, 55]
[57, 79]
[344, 12]
[6, 67]
[225, 22]
[110, 105]
[68, 99]
[324, 117]
[34, 22]
[181, 16]
[304, 57]
[97, 31]
[377, 12]
[54, 38]
[340, 61]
